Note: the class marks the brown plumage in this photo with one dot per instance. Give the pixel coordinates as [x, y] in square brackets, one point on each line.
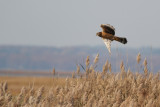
[108, 32]
[108, 35]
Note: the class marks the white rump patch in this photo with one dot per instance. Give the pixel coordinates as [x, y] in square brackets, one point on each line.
[107, 42]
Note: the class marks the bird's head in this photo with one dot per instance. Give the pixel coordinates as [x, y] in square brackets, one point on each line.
[99, 34]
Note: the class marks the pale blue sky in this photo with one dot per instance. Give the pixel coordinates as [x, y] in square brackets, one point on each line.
[75, 22]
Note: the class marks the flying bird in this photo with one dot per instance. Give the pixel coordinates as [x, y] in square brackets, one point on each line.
[108, 35]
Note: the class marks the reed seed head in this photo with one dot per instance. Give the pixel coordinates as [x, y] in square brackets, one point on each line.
[78, 69]
[145, 62]
[87, 61]
[138, 58]
[96, 59]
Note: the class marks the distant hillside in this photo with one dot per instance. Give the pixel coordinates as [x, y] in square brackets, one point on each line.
[66, 58]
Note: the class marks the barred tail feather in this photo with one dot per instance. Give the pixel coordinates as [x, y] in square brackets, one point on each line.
[120, 39]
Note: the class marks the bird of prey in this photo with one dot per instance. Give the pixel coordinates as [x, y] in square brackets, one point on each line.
[108, 35]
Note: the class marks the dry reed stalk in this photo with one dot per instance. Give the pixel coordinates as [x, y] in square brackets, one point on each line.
[92, 73]
[78, 70]
[104, 70]
[138, 58]
[21, 96]
[138, 61]
[50, 96]
[11, 104]
[53, 72]
[119, 97]
[87, 61]
[145, 67]
[96, 59]
[31, 92]
[100, 89]
[39, 95]
[73, 74]
[110, 68]
[5, 87]
[122, 65]
[145, 62]
[123, 73]
[1, 88]
[84, 98]
[8, 97]
[2, 99]
[145, 70]
[31, 100]
[105, 67]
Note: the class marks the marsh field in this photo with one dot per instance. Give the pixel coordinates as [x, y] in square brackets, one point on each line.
[90, 88]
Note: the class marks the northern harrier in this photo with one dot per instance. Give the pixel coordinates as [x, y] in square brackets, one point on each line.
[108, 35]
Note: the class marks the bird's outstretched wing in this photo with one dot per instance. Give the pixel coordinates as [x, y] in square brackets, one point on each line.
[108, 28]
[107, 42]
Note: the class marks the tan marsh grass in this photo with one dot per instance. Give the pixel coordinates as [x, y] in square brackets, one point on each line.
[95, 89]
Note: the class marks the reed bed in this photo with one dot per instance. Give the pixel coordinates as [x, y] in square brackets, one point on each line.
[92, 89]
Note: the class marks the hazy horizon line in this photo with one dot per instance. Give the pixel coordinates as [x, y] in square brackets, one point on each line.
[69, 46]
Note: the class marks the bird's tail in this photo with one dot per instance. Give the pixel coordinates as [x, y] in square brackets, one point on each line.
[120, 39]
